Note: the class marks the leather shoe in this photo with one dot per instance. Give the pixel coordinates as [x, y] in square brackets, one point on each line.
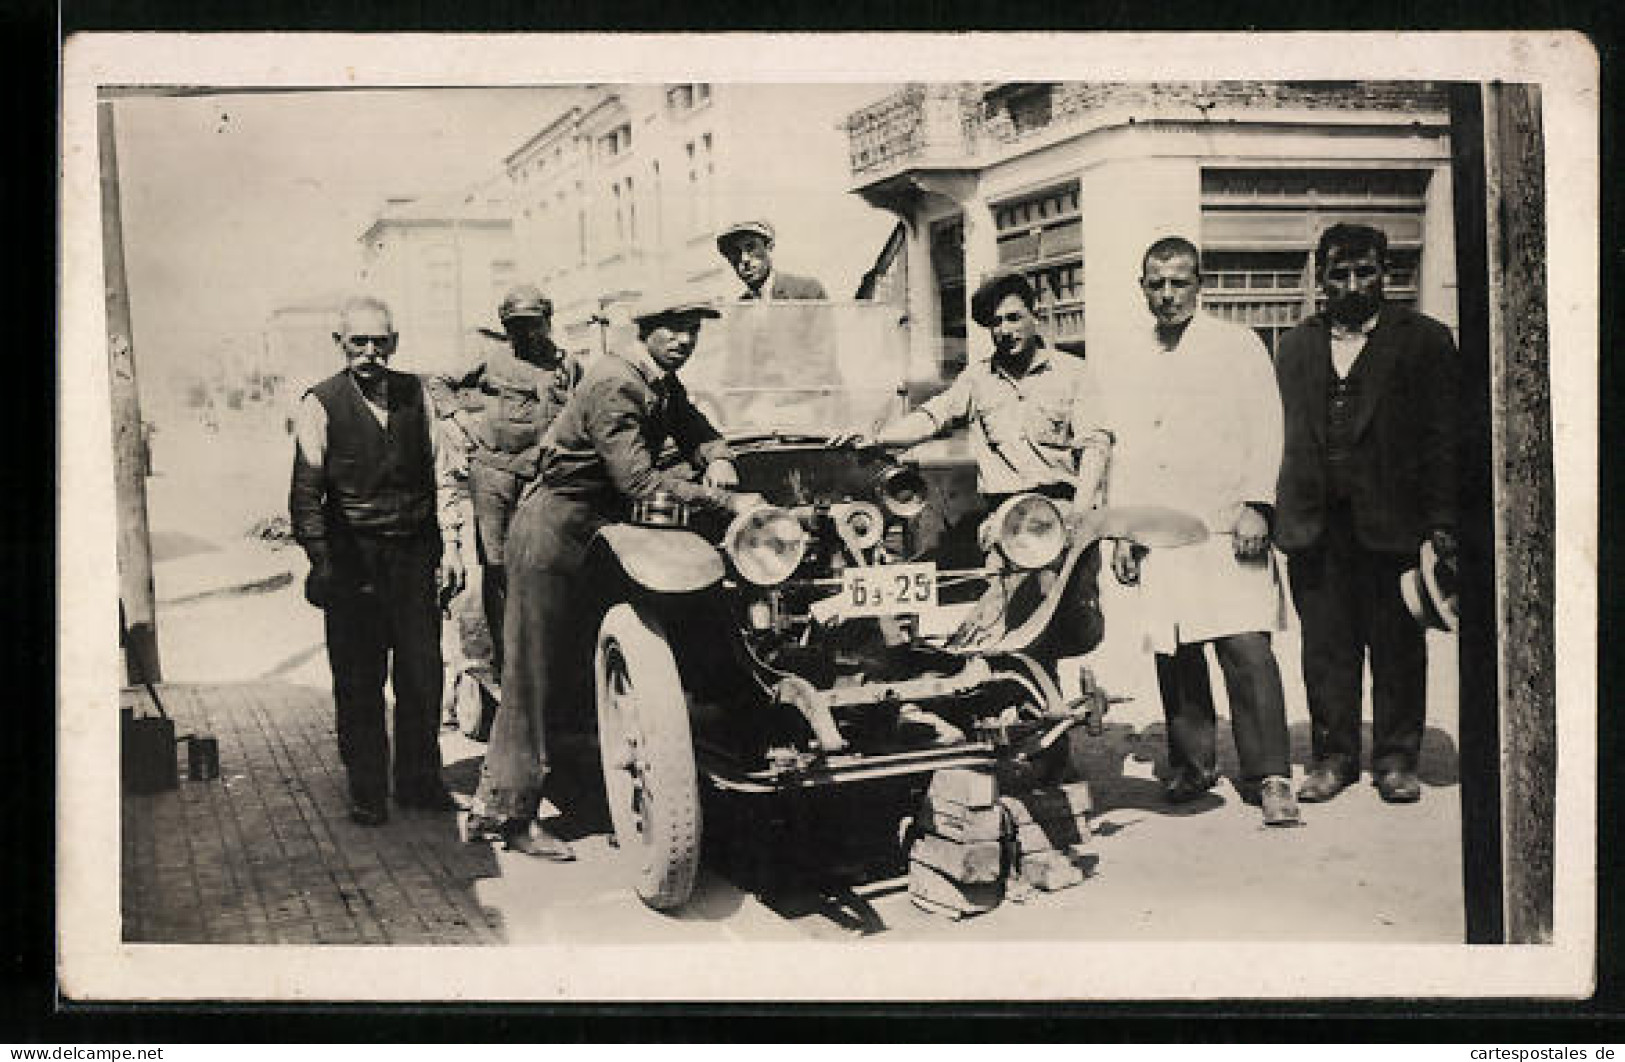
[1399, 787]
[1323, 784]
[1275, 797]
[533, 839]
[1184, 788]
[367, 813]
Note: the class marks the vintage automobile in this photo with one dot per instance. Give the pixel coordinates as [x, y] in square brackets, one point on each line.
[826, 638]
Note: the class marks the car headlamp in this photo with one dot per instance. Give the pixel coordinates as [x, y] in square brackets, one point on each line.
[765, 545]
[901, 489]
[861, 524]
[1030, 531]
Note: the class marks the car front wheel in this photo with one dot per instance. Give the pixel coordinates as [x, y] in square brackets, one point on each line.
[648, 755]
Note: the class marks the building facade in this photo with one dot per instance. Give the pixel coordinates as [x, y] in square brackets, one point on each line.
[442, 263]
[625, 190]
[1071, 181]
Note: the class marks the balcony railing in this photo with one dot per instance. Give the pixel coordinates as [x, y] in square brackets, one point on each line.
[920, 125]
[946, 124]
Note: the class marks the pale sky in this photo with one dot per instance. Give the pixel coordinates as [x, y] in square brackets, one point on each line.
[235, 203]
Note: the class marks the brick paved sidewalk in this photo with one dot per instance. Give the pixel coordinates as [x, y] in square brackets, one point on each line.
[267, 854]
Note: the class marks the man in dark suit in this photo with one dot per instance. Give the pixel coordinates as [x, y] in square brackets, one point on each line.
[1368, 476]
[748, 247]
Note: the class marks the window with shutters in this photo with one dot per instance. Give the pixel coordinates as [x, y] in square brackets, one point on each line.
[1260, 227]
[1042, 235]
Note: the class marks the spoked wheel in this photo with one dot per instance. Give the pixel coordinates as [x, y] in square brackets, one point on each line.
[648, 755]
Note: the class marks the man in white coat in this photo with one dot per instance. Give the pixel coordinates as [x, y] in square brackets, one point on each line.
[1193, 406]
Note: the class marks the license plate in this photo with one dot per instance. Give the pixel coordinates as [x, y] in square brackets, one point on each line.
[888, 589]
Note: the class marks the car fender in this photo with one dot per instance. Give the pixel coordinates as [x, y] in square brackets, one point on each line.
[1151, 526]
[664, 560]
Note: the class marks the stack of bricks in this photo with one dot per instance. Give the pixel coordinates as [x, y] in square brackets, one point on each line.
[968, 842]
[956, 860]
[1048, 831]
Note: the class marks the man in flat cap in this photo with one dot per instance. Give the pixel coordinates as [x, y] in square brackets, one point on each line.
[500, 409]
[780, 362]
[748, 247]
[597, 459]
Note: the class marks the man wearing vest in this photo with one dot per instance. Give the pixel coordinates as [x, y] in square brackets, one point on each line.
[373, 497]
[500, 411]
[1368, 478]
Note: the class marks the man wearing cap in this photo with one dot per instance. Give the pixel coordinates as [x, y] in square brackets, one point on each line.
[780, 364]
[748, 247]
[374, 497]
[1196, 421]
[1367, 482]
[1029, 429]
[597, 459]
[500, 410]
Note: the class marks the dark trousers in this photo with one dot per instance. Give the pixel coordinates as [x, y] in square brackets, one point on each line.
[494, 494]
[1257, 707]
[547, 666]
[383, 620]
[1348, 604]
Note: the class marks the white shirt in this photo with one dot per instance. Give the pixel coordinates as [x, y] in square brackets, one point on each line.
[1348, 343]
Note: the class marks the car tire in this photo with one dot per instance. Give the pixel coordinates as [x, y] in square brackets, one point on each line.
[648, 755]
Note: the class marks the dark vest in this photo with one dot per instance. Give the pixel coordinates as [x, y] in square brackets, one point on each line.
[1342, 400]
[513, 402]
[380, 480]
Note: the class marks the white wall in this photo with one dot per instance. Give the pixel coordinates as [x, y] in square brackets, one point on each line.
[1129, 204]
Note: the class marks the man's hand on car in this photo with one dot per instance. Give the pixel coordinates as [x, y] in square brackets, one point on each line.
[852, 440]
[744, 502]
[721, 473]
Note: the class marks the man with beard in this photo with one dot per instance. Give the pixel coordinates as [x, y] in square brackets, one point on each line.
[1367, 482]
[502, 408]
[373, 498]
[1191, 404]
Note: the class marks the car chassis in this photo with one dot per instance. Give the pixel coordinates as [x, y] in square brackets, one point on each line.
[836, 636]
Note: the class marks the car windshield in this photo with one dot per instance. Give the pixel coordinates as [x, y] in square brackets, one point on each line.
[800, 366]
